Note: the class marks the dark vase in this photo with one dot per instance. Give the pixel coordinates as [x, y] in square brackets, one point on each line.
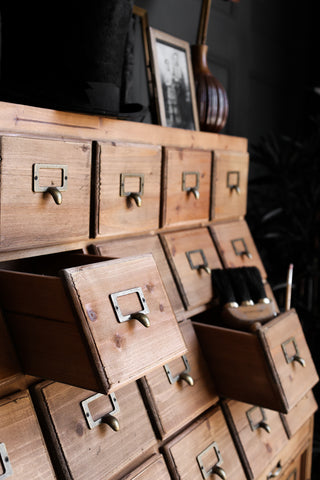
[212, 100]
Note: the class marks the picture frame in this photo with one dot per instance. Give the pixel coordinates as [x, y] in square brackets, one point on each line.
[174, 82]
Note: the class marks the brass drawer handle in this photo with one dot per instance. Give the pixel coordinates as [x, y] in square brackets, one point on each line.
[136, 196]
[5, 462]
[141, 315]
[54, 191]
[261, 423]
[296, 356]
[240, 247]
[216, 468]
[275, 472]
[195, 188]
[181, 376]
[198, 266]
[109, 418]
[233, 181]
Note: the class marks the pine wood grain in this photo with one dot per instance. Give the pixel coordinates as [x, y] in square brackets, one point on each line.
[195, 285]
[182, 451]
[30, 219]
[258, 447]
[153, 468]
[175, 405]
[47, 122]
[138, 246]
[120, 213]
[179, 206]
[229, 168]
[97, 453]
[224, 234]
[21, 434]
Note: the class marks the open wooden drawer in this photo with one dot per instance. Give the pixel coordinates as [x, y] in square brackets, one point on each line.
[90, 322]
[271, 367]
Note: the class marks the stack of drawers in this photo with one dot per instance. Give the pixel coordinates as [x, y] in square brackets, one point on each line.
[109, 232]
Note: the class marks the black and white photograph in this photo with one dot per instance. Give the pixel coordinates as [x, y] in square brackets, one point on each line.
[173, 81]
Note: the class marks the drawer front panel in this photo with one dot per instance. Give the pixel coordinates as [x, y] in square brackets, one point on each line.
[303, 410]
[230, 179]
[128, 188]
[23, 452]
[190, 252]
[203, 450]
[155, 468]
[117, 300]
[140, 245]
[236, 245]
[182, 389]
[187, 186]
[291, 356]
[95, 450]
[260, 434]
[45, 192]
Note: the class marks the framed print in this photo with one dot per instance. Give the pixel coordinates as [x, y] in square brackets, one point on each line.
[174, 82]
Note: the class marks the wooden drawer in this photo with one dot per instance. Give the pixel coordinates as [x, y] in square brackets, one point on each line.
[236, 246]
[260, 367]
[9, 366]
[292, 463]
[84, 325]
[186, 187]
[94, 436]
[30, 169]
[303, 410]
[137, 246]
[230, 180]
[190, 253]
[127, 188]
[259, 433]
[23, 453]
[180, 390]
[153, 468]
[204, 450]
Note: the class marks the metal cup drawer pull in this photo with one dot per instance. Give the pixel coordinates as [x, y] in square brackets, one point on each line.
[198, 266]
[141, 315]
[5, 462]
[109, 418]
[261, 423]
[233, 181]
[275, 472]
[181, 376]
[295, 357]
[54, 191]
[216, 468]
[240, 248]
[136, 196]
[195, 188]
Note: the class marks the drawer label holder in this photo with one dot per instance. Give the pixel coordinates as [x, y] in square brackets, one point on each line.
[141, 315]
[180, 376]
[255, 425]
[109, 418]
[54, 191]
[5, 462]
[216, 468]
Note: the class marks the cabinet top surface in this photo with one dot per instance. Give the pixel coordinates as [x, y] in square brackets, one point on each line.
[29, 120]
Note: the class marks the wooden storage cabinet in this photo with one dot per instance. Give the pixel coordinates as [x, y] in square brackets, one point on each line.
[258, 432]
[204, 450]
[192, 256]
[94, 436]
[186, 187]
[229, 187]
[128, 181]
[91, 317]
[180, 390]
[44, 191]
[271, 367]
[23, 452]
